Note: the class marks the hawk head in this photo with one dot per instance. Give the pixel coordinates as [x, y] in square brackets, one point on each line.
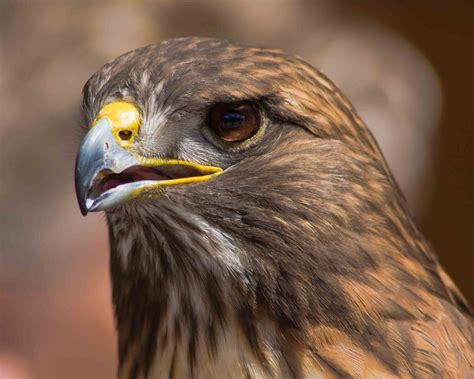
[186, 110]
[252, 218]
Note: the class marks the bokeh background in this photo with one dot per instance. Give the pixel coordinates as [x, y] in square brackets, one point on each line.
[406, 65]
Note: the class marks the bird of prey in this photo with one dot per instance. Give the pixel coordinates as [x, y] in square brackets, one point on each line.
[255, 228]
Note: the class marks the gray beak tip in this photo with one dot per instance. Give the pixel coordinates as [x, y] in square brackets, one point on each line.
[83, 210]
[80, 192]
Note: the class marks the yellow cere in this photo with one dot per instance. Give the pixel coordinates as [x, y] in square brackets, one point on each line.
[125, 120]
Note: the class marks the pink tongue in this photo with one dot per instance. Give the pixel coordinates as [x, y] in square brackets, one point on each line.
[130, 175]
[109, 184]
[145, 173]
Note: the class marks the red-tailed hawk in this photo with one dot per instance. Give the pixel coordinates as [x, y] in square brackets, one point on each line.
[255, 228]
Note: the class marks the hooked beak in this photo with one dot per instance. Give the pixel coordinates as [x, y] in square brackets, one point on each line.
[108, 174]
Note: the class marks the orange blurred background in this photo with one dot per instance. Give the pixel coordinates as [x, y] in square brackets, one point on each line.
[406, 65]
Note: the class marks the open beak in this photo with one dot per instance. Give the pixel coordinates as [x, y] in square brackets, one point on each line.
[108, 174]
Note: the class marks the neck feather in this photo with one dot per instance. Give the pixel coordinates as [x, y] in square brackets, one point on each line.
[173, 279]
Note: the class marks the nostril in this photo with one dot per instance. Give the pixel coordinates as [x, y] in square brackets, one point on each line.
[125, 135]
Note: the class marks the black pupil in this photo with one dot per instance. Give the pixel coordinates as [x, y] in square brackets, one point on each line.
[232, 120]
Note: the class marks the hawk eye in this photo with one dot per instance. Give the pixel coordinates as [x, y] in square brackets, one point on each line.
[234, 122]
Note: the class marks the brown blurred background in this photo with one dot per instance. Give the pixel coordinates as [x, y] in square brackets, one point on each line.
[406, 65]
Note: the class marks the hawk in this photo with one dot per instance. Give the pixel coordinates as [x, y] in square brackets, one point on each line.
[255, 228]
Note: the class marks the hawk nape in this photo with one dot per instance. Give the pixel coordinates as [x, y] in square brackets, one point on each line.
[255, 228]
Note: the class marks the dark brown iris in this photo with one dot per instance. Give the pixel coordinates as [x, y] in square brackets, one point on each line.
[234, 122]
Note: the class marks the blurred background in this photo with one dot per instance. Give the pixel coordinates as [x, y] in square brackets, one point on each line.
[406, 65]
